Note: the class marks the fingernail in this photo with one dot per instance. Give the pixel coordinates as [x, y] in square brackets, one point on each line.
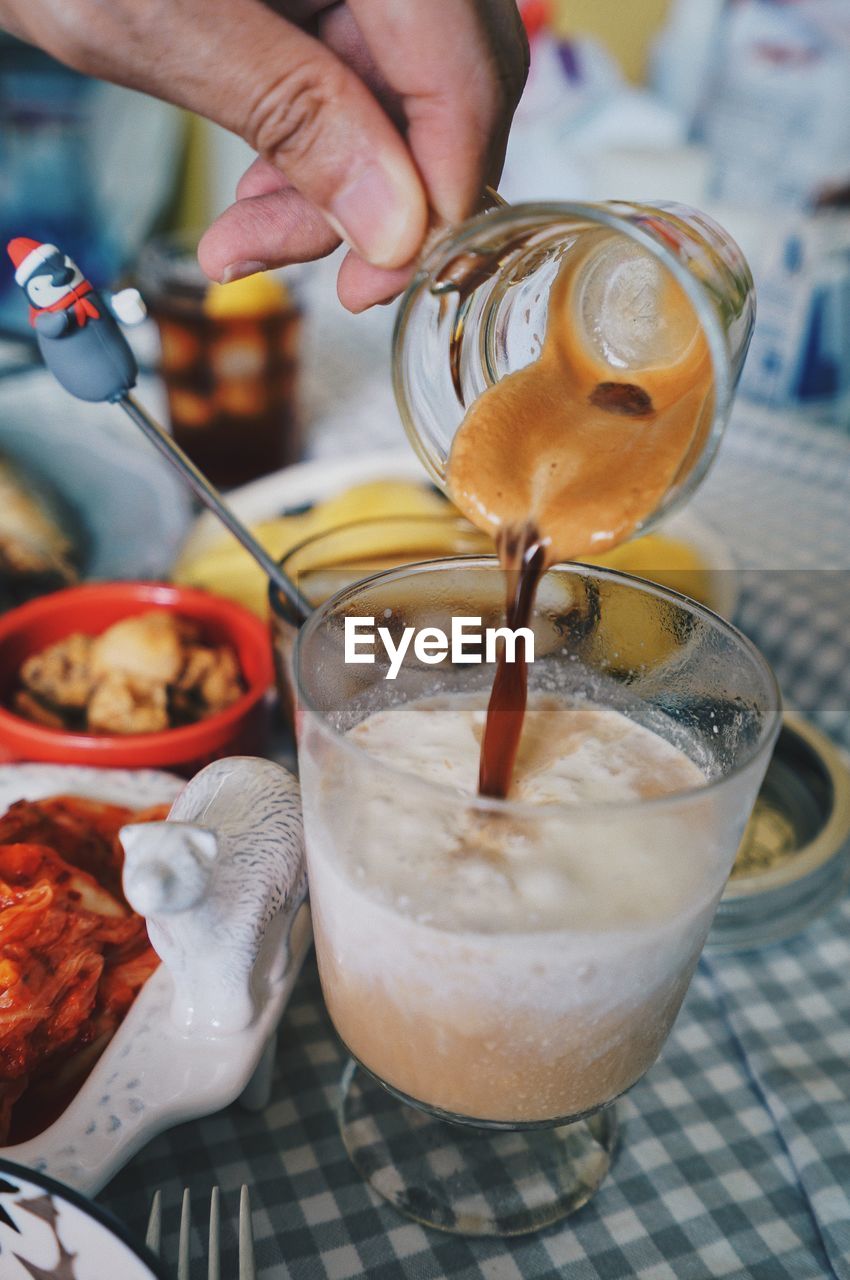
[239, 270]
[377, 216]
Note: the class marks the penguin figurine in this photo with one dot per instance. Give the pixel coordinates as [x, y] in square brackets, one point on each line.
[77, 333]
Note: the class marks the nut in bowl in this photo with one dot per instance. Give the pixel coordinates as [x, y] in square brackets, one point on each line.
[131, 674]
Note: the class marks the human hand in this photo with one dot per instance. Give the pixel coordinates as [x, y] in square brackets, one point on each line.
[372, 119]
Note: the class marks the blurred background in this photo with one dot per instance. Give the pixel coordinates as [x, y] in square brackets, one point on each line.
[738, 106]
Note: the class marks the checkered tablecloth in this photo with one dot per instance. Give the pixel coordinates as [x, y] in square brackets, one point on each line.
[735, 1148]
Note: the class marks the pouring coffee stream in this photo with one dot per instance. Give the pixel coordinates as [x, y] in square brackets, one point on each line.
[523, 558]
[571, 454]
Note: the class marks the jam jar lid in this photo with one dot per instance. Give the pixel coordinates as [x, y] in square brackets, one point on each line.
[794, 859]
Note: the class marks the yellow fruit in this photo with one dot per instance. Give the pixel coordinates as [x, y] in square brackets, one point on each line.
[642, 626]
[259, 295]
[667, 561]
[245, 584]
[374, 499]
[228, 570]
[635, 631]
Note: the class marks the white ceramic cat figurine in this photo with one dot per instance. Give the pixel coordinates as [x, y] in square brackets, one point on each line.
[219, 884]
[222, 883]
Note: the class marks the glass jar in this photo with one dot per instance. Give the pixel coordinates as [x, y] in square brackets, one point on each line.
[477, 311]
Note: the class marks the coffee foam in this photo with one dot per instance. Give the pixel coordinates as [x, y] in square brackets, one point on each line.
[584, 442]
[416, 867]
[480, 870]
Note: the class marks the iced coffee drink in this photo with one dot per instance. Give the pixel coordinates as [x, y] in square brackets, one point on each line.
[522, 960]
[513, 868]
[511, 967]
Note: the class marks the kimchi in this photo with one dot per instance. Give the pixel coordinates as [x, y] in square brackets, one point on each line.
[73, 955]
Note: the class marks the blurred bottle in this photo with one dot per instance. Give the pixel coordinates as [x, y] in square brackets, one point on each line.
[800, 355]
[683, 54]
[229, 360]
[576, 105]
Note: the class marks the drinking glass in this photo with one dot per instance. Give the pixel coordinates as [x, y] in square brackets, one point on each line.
[485, 1057]
[476, 311]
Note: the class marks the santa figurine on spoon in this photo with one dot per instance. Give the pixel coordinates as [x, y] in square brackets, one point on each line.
[76, 329]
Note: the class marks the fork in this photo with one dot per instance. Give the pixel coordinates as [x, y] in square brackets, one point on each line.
[247, 1266]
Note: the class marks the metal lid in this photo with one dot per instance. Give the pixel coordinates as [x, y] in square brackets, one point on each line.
[795, 855]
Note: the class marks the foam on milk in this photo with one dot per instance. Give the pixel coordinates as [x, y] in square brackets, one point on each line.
[496, 872]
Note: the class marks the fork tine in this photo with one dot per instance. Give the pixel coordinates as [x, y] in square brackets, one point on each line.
[214, 1258]
[247, 1266]
[154, 1232]
[183, 1248]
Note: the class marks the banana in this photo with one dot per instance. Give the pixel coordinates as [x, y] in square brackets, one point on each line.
[226, 569]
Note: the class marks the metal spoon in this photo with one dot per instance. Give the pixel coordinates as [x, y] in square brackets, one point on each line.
[212, 499]
[85, 350]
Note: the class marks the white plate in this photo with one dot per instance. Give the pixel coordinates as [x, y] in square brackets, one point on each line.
[130, 507]
[133, 788]
[48, 1230]
[309, 482]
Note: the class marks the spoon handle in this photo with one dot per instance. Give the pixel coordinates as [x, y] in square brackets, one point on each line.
[212, 499]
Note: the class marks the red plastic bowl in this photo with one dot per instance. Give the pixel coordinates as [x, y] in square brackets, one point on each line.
[241, 729]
